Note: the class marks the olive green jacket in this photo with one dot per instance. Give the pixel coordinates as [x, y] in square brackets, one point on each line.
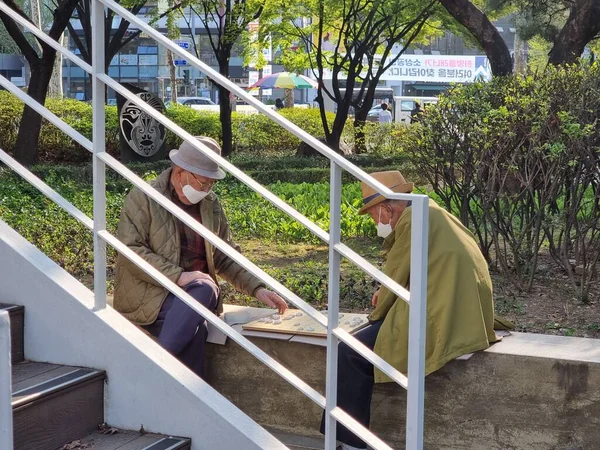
[151, 231]
[460, 305]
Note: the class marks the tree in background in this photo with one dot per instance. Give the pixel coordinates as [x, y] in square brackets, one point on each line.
[349, 42]
[173, 32]
[41, 62]
[568, 25]
[226, 22]
[480, 27]
[115, 37]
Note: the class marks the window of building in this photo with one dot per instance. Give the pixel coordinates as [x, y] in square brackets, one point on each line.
[129, 71]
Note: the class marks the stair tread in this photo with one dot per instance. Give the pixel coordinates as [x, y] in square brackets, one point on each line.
[129, 440]
[34, 380]
[11, 308]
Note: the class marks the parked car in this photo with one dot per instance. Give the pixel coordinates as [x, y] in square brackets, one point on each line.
[199, 103]
[373, 114]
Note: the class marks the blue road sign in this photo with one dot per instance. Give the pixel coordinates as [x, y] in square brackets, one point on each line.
[180, 62]
[184, 45]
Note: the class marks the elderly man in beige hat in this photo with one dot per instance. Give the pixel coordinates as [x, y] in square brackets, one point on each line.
[180, 254]
[460, 308]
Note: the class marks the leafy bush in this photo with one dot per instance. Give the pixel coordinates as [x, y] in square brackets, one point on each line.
[55, 145]
[381, 139]
[253, 133]
[197, 123]
[517, 159]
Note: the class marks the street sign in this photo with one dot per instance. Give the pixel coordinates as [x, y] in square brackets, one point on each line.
[183, 44]
[180, 62]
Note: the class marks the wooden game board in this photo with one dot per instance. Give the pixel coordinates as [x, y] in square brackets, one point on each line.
[305, 325]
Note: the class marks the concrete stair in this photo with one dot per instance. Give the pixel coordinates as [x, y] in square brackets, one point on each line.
[62, 407]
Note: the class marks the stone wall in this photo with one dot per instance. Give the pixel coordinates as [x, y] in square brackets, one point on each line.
[527, 392]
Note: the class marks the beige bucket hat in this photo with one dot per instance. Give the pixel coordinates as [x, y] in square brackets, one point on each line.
[189, 158]
[391, 179]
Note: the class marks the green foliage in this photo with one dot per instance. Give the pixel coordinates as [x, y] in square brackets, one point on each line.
[198, 123]
[253, 133]
[257, 133]
[517, 159]
[55, 145]
[70, 244]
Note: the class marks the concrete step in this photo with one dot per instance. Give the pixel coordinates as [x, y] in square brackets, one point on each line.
[54, 404]
[16, 314]
[297, 442]
[113, 439]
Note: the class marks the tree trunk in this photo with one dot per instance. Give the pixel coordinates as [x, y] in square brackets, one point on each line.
[582, 26]
[225, 111]
[288, 98]
[482, 29]
[335, 138]
[520, 56]
[173, 77]
[26, 147]
[55, 88]
[360, 119]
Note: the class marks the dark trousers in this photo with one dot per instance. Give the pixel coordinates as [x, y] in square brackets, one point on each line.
[181, 330]
[355, 385]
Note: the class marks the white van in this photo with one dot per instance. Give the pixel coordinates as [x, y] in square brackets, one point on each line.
[404, 105]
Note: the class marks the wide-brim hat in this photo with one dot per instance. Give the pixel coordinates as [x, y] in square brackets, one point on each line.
[391, 179]
[193, 160]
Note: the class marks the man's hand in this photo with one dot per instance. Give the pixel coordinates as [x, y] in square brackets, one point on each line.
[187, 277]
[375, 298]
[271, 299]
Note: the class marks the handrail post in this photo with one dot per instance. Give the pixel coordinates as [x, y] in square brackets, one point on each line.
[99, 169]
[333, 303]
[415, 403]
[6, 428]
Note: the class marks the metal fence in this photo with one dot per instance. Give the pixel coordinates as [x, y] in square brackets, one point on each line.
[416, 298]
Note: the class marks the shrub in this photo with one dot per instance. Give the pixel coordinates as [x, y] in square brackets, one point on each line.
[256, 133]
[197, 123]
[381, 139]
[54, 145]
[517, 159]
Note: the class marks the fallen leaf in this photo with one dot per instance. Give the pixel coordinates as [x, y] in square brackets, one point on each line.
[75, 445]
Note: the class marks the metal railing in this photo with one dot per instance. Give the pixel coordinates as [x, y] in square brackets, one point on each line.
[6, 429]
[416, 298]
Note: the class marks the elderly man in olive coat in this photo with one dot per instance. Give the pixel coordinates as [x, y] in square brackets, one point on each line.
[180, 254]
[460, 307]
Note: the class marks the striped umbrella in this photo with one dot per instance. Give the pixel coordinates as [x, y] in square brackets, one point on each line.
[284, 80]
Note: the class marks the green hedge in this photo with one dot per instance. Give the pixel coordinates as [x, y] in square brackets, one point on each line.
[265, 170]
[55, 145]
[254, 134]
[251, 132]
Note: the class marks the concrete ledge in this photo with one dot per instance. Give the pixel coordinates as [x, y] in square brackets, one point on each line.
[527, 392]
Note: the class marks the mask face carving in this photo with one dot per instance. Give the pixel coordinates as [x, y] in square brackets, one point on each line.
[144, 134]
[383, 229]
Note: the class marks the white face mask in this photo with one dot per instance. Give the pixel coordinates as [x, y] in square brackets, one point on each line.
[193, 195]
[383, 229]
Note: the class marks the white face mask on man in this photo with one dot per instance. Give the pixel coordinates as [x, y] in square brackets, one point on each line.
[383, 229]
[193, 195]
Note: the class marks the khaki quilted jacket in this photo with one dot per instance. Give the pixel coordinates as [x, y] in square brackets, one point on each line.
[151, 231]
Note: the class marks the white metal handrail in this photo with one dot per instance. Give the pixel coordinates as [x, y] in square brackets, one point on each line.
[6, 429]
[418, 281]
[47, 190]
[276, 201]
